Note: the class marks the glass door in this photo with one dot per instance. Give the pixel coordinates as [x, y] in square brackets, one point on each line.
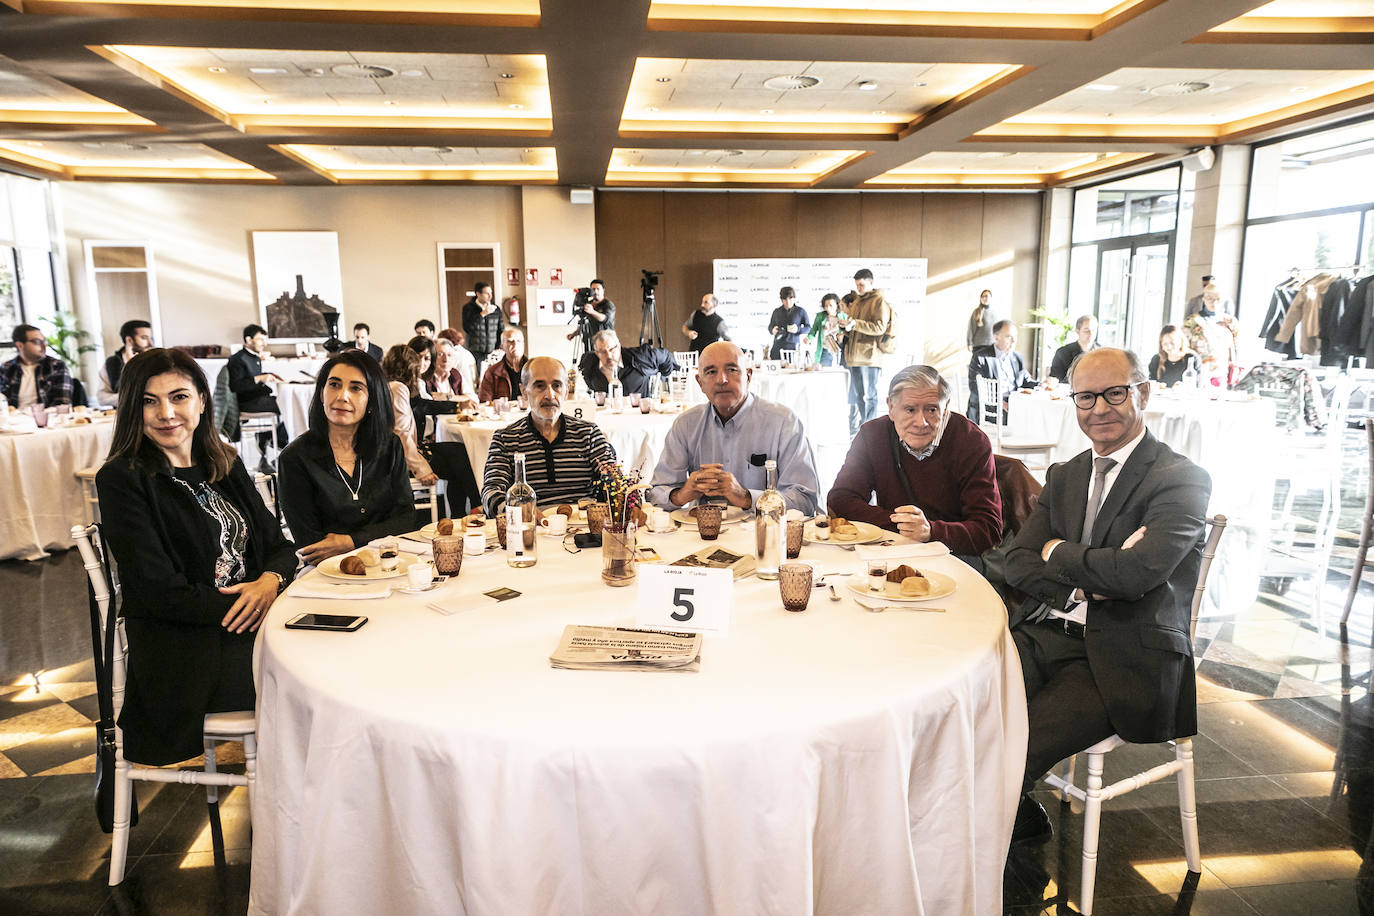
[1133, 290]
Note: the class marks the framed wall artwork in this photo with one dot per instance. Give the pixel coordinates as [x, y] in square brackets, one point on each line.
[297, 282]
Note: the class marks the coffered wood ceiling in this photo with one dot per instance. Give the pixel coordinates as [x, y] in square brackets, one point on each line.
[718, 93]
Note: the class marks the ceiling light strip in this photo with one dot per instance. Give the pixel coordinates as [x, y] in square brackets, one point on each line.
[514, 14]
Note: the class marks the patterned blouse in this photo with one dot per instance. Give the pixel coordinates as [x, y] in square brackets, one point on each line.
[233, 530]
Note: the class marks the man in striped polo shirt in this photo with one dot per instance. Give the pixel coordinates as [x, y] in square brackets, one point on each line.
[562, 454]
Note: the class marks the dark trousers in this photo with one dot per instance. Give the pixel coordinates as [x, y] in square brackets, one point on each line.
[1062, 701]
[450, 461]
[266, 404]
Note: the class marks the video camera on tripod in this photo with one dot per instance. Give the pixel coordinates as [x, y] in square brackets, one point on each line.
[648, 312]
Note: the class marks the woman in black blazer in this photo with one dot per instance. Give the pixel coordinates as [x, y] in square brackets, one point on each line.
[344, 481]
[199, 557]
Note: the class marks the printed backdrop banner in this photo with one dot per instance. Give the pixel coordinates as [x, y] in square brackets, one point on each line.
[747, 289]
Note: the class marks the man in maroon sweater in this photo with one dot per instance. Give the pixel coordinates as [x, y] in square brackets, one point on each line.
[932, 470]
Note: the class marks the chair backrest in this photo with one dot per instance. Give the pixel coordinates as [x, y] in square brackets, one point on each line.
[92, 550]
[989, 403]
[686, 359]
[226, 406]
[1209, 550]
[1019, 489]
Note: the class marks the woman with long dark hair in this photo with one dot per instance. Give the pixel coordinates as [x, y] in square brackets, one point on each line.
[200, 557]
[344, 480]
[428, 460]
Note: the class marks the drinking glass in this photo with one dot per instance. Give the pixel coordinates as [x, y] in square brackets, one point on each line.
[794, 537]
[448, 554]
[390, 549]
[877, 575]
[501, 529]
[618, 555]
[794, 583]
[597, 513]
[708, 522]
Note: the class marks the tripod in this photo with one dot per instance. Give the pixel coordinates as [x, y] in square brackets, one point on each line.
[649, 318]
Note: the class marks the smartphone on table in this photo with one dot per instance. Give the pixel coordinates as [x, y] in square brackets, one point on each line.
[343, 623]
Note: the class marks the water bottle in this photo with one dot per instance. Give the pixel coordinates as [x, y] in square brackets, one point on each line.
[617, 395]
[770, 525]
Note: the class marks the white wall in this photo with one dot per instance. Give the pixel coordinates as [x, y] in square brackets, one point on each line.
[201, 238]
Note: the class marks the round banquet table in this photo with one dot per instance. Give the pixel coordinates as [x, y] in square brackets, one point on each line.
[39, 493]
[637, 438]
[293, 400]
[830, 761]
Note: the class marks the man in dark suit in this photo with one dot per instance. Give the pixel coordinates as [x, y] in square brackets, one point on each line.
[634, 366]
[362, 340]
[249, 383]
[1109, 558]
[1085, 330]
[999, 361]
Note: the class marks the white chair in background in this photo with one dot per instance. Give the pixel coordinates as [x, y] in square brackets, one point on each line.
[993, 421]
[219, 726]
[1310, 463]
[1093, 794]
[686, 359]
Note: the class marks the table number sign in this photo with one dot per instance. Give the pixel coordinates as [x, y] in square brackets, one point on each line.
[685, 598]
[581, 408]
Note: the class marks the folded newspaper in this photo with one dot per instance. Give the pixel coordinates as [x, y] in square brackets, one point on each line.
[626, 649]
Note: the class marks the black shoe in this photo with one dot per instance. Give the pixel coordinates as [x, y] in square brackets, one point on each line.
[1032, 823]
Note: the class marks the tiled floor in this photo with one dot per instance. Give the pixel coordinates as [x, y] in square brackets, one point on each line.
[1285, 756]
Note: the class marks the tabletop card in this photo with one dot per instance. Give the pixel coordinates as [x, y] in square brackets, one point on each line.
[685, 598]
[581, 408]
[502, 594]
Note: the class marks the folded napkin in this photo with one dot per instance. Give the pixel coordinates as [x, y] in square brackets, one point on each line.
[420, 548]
[321, 587]
[897, 551]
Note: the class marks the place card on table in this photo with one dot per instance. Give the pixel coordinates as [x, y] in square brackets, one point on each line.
[685, 598]
[581, 409]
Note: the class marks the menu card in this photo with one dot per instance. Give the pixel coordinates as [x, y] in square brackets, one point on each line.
[586, 648]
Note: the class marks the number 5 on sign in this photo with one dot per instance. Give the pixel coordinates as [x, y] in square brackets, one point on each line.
[685, 598]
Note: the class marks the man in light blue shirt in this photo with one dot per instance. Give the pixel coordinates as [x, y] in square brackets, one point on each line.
[715, 451]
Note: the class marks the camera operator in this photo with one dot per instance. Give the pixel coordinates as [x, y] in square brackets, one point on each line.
[597, 314]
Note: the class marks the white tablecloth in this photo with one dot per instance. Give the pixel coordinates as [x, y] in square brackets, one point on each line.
[820, 399]
[40, 498]
[832, 761]
[293, 400]
[637, 438]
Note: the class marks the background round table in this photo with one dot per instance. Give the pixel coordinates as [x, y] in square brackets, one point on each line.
[829, 761]
[39, 492]
[637, 438]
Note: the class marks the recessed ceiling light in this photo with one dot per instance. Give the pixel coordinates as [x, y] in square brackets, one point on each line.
[789, 83]
[880, 112]
[216, 69]
[1298, 89]
[664, 79]
[868, 85]
[315, 71]
[412, 73]
[507, 76]
[650, 110]
[696, 152]
[920, 84]
[391, 102]
[516, 107]
[267, 71]
[1101, 87]
[765, 111]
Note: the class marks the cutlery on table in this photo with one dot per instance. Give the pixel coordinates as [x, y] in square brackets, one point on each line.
[879, 608]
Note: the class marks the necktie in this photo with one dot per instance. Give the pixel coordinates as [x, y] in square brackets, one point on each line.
[1101, 466]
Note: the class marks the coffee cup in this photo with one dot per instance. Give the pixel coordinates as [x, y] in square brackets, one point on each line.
[420, 575]
[660, 520]
[555, 524]
[474, 542]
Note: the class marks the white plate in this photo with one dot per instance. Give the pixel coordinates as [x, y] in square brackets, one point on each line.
[940, 586]
[868, 533]
[330, 568]
[731, 515]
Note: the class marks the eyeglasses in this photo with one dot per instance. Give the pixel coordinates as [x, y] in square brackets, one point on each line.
[1115, 396]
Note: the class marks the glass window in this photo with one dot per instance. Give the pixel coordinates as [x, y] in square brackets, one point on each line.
[1132, 206]
[1315, 172]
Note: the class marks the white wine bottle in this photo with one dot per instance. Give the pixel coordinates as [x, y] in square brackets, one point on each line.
[522, 547]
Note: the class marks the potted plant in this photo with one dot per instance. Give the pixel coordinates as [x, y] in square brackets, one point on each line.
[66, 338]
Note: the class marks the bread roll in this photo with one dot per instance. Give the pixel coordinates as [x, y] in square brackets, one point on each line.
[565, 509]
[917, 586]
[352, 566]
[445, 526]
[369, 557]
